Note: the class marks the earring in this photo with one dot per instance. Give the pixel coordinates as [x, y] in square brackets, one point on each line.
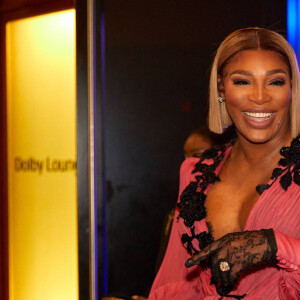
[220, 99]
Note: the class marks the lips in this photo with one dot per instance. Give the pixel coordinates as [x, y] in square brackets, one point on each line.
[259, 119]
[258, 116]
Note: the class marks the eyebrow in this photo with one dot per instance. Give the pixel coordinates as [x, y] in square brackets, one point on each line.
[241, 72]
[275, 71]
[248, 73]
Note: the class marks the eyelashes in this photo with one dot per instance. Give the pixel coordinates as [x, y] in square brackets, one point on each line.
[240, 82]
[275, 82]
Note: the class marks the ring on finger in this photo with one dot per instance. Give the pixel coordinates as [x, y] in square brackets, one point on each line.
[224, 266]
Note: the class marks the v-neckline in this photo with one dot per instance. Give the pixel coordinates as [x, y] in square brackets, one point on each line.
[192, 199]
[217, 171]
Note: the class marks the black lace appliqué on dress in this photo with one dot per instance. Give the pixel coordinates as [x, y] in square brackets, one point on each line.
[192, 200]
[290, 170]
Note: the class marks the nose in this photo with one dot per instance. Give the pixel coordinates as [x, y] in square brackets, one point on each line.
[259, 94]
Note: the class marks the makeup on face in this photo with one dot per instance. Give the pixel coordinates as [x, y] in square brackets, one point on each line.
[257, 90]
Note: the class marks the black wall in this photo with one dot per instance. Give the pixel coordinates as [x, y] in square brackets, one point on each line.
[158, 56]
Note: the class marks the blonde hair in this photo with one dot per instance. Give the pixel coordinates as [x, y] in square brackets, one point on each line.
[251, 39]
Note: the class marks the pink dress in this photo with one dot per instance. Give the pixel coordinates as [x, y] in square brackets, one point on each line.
[276, 208]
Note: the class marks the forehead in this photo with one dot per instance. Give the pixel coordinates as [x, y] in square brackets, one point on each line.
[196, 140]
[252, 59]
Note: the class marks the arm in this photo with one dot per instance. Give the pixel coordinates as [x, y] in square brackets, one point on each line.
[235, 252]
[174, 280]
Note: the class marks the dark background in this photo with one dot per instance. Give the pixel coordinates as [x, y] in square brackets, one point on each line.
[158, 57]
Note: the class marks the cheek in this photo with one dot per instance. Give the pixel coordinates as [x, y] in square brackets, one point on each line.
[234, 101]
[234, 97]
[288, 98]
[285, 101]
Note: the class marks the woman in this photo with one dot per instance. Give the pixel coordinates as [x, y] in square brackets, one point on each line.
[236, 232]
[200, 140]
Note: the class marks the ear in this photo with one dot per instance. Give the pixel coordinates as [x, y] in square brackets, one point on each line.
[221, 86]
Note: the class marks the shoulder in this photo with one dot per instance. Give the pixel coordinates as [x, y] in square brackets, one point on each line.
[287, 173]
[188, 165]
[186, 172]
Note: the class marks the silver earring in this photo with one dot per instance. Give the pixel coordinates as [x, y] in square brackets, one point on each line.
[220, 99]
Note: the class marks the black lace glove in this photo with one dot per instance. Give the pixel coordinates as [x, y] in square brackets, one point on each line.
[235, 252]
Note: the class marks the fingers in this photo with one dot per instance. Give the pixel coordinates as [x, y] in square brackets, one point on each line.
[221, 278]
[225, 287]
[224, 290]
[202, 255]
[226, 283]
[195, 259]
[226, 280]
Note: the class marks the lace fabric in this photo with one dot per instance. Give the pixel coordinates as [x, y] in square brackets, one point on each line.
[241, 251]
[192, 208]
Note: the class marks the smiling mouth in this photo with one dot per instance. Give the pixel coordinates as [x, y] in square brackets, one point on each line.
[258, 116]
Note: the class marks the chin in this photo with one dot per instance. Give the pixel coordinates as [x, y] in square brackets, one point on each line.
[259, 136]
[257, 139]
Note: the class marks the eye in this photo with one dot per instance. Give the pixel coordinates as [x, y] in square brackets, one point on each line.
[277, 82]
[240, 82]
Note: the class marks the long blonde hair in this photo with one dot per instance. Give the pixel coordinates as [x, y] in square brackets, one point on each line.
[251, 39]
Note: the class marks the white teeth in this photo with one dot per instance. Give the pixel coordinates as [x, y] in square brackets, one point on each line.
[258, 115]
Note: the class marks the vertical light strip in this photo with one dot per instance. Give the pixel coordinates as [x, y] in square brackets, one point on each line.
[104, 236]
[42, 176]
[293, 25]
[92, 152]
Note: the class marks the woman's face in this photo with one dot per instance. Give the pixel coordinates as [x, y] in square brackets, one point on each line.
[195, 145]
[256, 87]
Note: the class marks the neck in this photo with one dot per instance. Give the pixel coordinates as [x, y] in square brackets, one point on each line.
[255, 153]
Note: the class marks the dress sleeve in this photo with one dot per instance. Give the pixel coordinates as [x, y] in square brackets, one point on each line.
[288, 256]
[288, 253]
[174, 281]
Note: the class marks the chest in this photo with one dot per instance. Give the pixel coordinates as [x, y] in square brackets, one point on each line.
[228, 206]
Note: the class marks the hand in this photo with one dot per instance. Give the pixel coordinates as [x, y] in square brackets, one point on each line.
[235, 252]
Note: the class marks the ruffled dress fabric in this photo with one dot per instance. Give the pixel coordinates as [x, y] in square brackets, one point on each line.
[277, 208]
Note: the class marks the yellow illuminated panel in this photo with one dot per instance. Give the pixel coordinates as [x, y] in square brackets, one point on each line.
[41, 112]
